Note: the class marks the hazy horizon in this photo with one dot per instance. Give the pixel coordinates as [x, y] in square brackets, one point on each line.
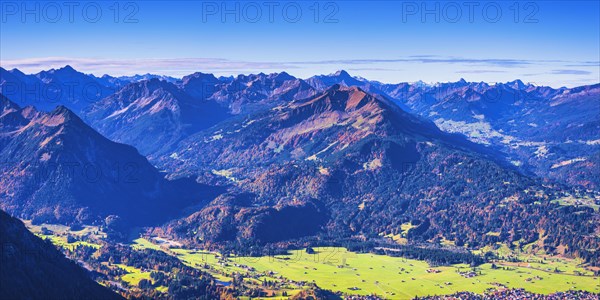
[351, 73]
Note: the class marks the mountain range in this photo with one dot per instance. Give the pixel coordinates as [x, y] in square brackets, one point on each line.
[546, 131]
[353, 164]
[550, 132]
[143, 111]
[270, 158]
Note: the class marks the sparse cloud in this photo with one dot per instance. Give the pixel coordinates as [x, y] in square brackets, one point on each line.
[219, 64]
[373, 69]
[425, 59]
[489, 61]
[571, 72]
[584, 64]
[479, 71]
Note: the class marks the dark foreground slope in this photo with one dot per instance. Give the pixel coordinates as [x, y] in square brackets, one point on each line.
[31, 268]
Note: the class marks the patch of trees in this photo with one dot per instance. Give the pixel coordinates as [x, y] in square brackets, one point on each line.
[434, 256]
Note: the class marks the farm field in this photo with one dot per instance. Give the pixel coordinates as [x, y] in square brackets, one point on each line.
[134, 275]
[337, 269]
[585, 201]
[58, 235]
[223, 269]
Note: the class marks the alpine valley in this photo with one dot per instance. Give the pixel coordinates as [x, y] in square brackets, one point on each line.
[272, 186]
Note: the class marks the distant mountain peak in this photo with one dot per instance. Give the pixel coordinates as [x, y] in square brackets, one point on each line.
[420, 83]
[342, 73]
[518, 81]
[17, 72]
[199, 76]
[68, 68]
[517, 84]
[226, 78]
[323, 82]
[147, 76]
[283, 76]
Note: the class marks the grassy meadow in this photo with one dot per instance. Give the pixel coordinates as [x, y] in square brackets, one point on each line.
[337, 269]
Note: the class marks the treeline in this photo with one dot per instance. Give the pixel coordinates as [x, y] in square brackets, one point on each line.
[434, 255]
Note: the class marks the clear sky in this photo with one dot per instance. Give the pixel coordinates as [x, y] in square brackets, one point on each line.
[546, 42]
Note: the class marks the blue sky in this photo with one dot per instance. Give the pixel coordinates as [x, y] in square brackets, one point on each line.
[545, 42]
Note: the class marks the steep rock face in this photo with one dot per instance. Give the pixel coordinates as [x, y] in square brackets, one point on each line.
[56, 168]
[152, 115]
[34, 269]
